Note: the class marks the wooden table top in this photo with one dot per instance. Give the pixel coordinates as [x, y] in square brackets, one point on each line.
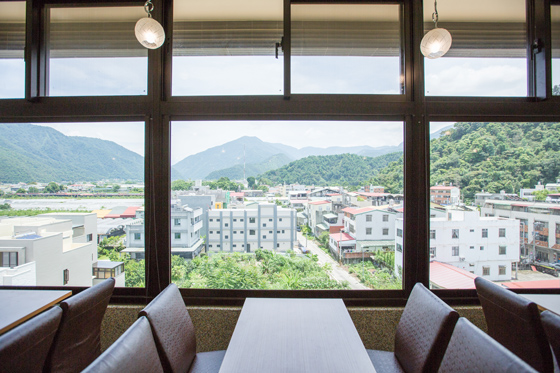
[549, 302]
[16, 306]
[295, 335]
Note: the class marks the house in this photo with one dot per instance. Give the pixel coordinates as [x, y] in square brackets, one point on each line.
[445, 195]
[539, 226]
[265, 226]
[484, 246]
[315, 212]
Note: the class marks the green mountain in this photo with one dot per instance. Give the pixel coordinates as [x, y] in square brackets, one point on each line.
[345, 169]
[253, 169]
[36, 153]
[490, 157]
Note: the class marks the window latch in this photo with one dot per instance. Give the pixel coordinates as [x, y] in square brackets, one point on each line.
[279, 45]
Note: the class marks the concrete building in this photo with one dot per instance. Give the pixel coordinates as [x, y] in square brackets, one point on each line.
[50, 250]
[539, 225]
[484, 246]
[186, 228]
[445, 195]
[205, 202]
[265, 225]
[315, 212]
[373, 228]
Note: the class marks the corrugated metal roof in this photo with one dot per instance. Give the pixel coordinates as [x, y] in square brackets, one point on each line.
[447, 276]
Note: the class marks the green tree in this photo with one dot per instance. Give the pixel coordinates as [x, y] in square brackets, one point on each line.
[135, 273]
[540, 195]
[116, 188]
[53, 187]
[251, 182]
[181, 185]
[20, 191]
[32, 190]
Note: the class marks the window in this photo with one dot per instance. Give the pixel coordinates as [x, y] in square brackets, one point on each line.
[211, 232]
[211, 220]
[481, 54]
[65, 277]
[399, 232]
[226, 237]
[9, 259]
[454, 233]
[455, 251]
[485, 271]
[217, 53]
[368, 217]
[343, 39]
[481, 248]
[82, 66]
[89, 237]
[280, 219]
[241, 220]
[471, 247]
[502, 270]
[385, 231]
[502, 232]
[432, 252]
[176, 222]
[264, 237]
[251, 232]
[484, 233]
[269, 219]
[385, 217]
[177, 235]
[251, 220]
[137, 236]
[432, 234]
[399, 247]
[264, 225]
[217, 220]
[368, 230]
[234, 219]
[12, 44]
[502, 250]
[226, 224]
[234, 232]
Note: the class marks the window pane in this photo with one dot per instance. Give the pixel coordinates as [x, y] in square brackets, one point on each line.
[500, 183]
[555, 32]
[268, 204]
[227, 47]
[93, 52]
[72, 211]
[12, 44]
[488, 55]
[346, 49]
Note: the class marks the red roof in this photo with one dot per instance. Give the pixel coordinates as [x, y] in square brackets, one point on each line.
[318, 202]
[237, 194]
[130, 212]
[545, 284]
[441, 187]
[341, 237]
[447, 276]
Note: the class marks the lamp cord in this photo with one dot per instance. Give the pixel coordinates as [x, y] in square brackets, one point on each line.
[434, 14]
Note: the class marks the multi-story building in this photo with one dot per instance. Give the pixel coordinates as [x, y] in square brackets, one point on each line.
[186, 228]
[51, 250]
[373, 227]
[264, 225]
[445, 195]
[315, 213]
[539, 226]
[485, 246]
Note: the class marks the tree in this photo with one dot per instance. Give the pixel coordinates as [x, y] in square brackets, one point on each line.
[540, 195]
[116, 188]
[20, 191]
[32, 190]
[556, 90]
[251, 181]
[53, 187]
[181, 185]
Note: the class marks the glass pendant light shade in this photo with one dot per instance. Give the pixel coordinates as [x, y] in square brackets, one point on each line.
[435, 43]
[149, 33]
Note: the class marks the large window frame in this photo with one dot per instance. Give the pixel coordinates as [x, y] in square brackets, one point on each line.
[158, 108]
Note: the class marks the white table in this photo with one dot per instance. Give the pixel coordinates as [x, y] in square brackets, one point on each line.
[549, 302]
[295, 335]
[16, 306]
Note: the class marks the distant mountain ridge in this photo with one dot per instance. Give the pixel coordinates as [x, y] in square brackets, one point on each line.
[259, 157]
[30, 153]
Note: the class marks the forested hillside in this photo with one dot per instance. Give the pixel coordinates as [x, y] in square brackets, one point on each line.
[490, 157]
[31, 153]
[342, 169]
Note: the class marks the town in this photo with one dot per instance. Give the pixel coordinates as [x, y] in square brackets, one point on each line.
[82, 233]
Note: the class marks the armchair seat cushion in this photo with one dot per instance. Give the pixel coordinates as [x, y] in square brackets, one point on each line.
[384, 361]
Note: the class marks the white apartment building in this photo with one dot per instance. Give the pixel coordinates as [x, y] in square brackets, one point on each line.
[372, 227]
[265, 226]
[49, 250]
[315, 212]
[445, 195]
[539, 226]
[186, 228]
[485, 246]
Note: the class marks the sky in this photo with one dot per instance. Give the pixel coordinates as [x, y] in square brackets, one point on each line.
[263, 75]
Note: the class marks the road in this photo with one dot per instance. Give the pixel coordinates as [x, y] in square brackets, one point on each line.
[337, 272]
